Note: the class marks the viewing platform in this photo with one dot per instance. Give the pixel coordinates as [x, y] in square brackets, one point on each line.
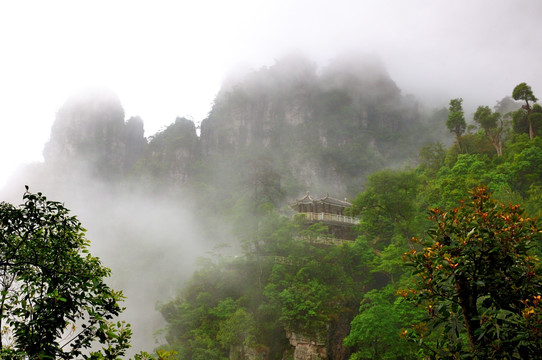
[327, 217]
[330, 212]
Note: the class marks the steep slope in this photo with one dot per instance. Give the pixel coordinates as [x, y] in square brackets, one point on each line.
[272, 134]
[324, 132]
[171, 155]
[90, 133]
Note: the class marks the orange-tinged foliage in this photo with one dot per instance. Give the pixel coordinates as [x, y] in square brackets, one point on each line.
[475, 275]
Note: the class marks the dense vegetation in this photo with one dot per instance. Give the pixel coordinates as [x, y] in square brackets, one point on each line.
[445, 261]
[54, 302]
[473, 290]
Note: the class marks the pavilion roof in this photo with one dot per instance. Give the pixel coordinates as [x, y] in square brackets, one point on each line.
[308, 199]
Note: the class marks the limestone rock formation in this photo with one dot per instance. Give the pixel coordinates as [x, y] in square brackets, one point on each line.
[89, 134]
[306, 348]
[173, 152]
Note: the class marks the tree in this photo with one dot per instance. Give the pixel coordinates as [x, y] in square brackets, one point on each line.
[387, 207]
[492, 124]
[526, 168]
[477, 278]
[53, 302]
[431, 157]
[525, 121]
[375, 331]
[524, 92]
[456, 119]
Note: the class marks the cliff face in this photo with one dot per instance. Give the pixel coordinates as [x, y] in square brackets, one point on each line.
[326, 131]
[306, 348]
[322, 131]
[172, 153]
[89, 133]
[261, 107]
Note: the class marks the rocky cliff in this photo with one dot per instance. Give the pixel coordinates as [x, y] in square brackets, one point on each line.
[89, 134]
[325, 130]
[173, 153]
[272, 134]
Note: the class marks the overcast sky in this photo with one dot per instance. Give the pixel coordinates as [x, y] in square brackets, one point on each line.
[168, 58]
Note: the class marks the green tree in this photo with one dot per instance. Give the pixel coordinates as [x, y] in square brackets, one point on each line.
[477, 278]
[375, 331]
[525, 121]
[456, 119]
[492, 124]
[526, 168]
[387, 208]
[237, 329]
[431, 157]
[525, 93]
[53, 302]
[320, 286]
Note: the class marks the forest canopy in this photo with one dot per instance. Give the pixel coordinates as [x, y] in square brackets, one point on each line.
[461, 280]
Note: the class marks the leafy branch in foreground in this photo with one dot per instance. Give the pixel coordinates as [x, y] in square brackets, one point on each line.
[478, 280]
[54, 303]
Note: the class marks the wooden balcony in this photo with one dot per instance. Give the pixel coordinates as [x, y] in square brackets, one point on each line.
[326, 217]
[324, 240]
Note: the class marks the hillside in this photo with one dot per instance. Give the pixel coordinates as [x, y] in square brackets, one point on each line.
[444, 264]
[278, 286]
[272, 135]
[322, 130]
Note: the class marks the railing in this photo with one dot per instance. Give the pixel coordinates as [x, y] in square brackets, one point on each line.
[311, 216]
[324, 240]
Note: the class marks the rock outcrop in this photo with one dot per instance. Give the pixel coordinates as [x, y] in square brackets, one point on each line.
[319, 131]
[327, 130]
[89, 135]
[306, 348]
[242, 352]
[173, 152]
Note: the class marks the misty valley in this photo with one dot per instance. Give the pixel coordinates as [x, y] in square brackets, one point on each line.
[316, 213]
